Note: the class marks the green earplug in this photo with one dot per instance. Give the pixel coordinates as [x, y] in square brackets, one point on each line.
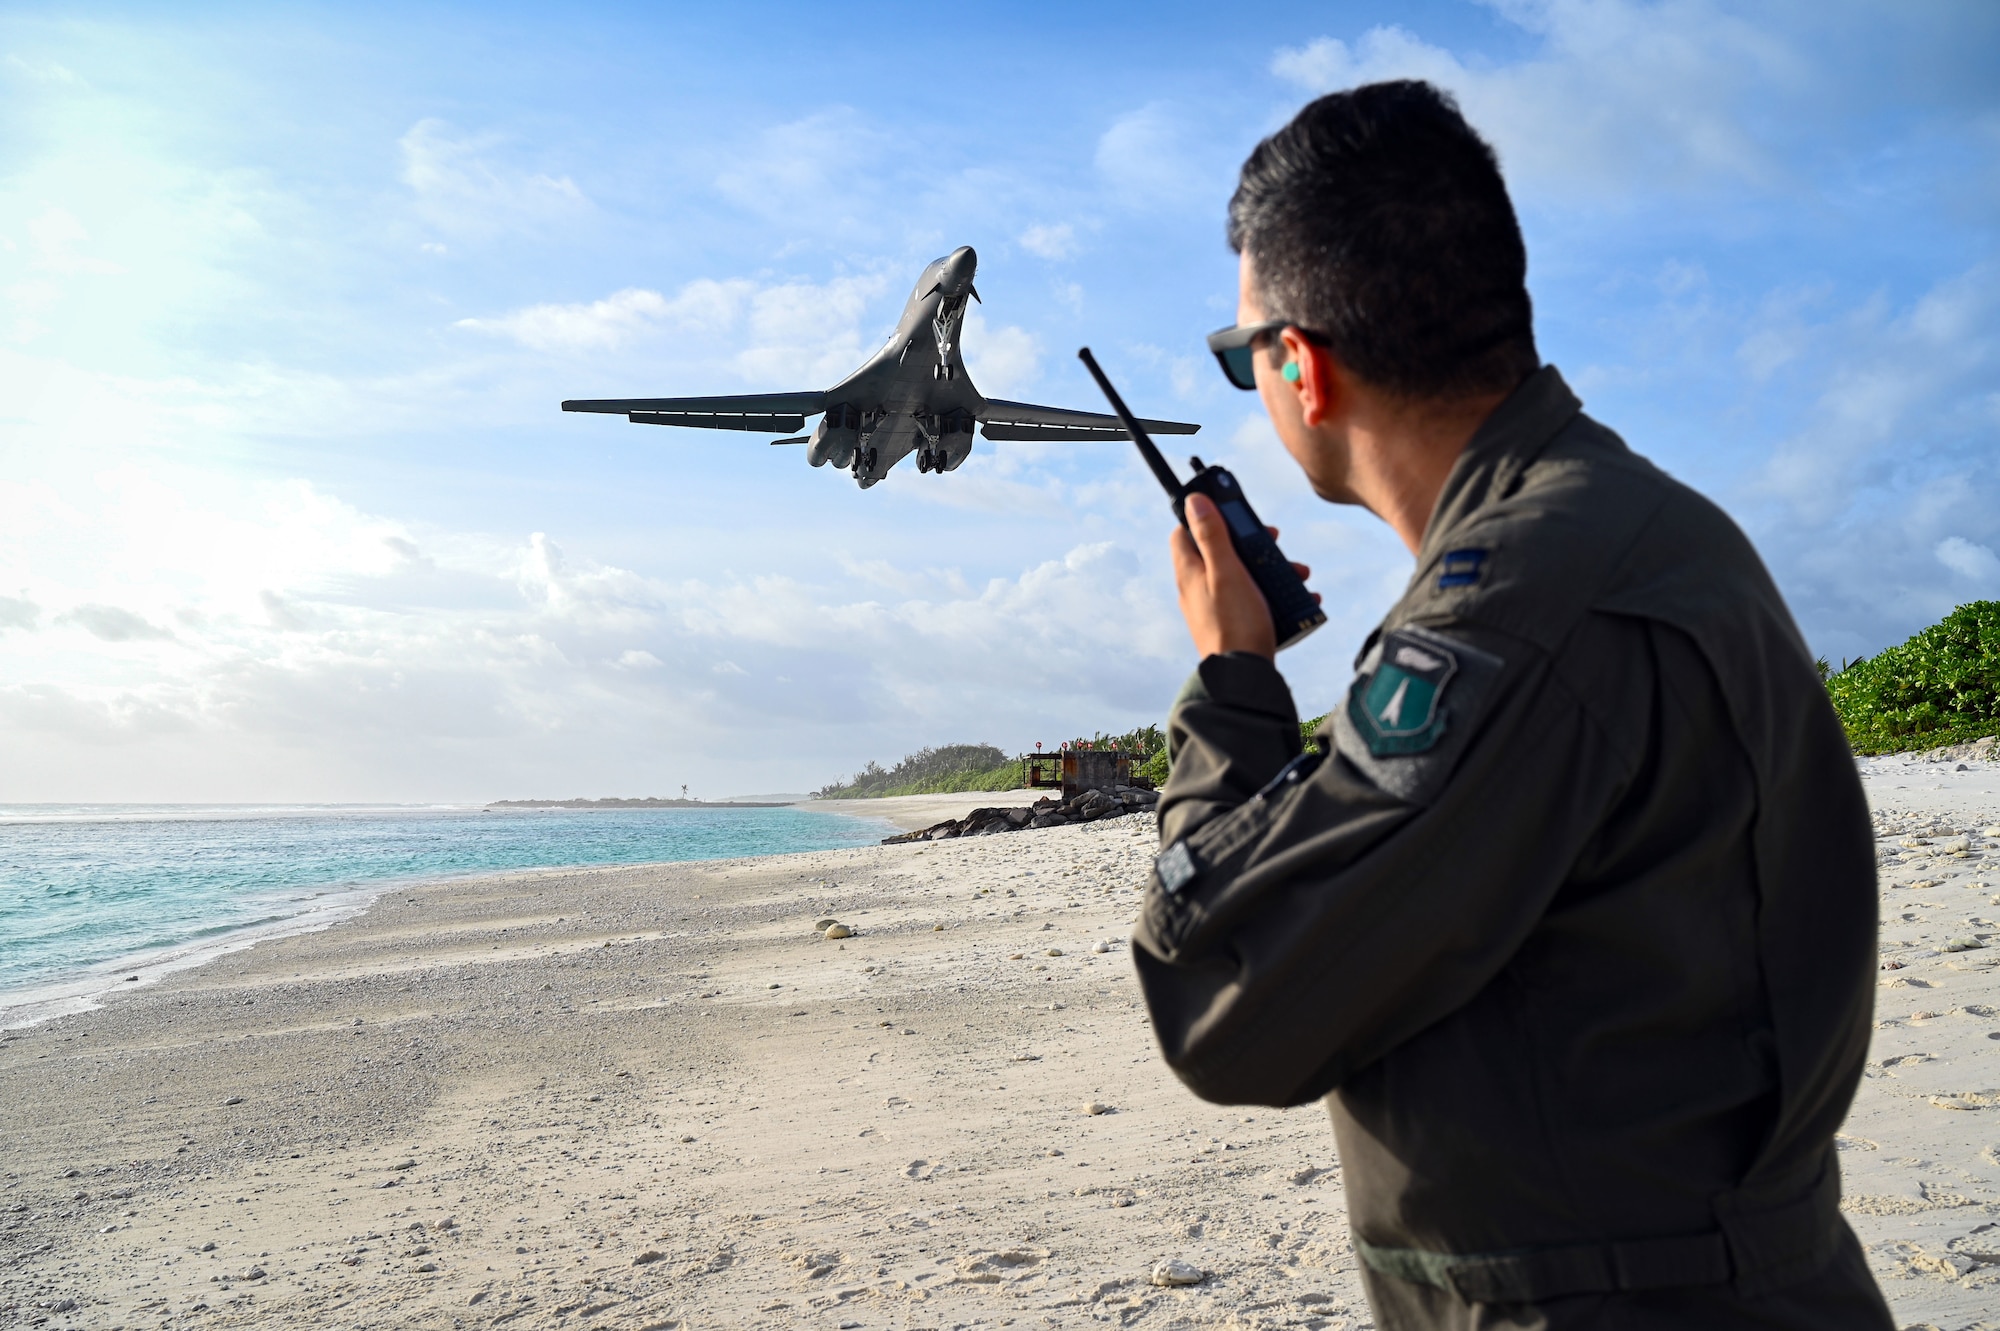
[1291, 371]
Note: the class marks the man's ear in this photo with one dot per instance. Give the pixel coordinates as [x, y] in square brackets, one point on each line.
[1320, 382]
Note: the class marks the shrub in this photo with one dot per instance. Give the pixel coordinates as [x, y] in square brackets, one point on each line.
[942, 770]
[1941, 687]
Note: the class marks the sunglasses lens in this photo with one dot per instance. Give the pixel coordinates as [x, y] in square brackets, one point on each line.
[1239, 366]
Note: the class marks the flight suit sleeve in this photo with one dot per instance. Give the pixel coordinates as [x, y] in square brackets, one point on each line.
[1308, 915]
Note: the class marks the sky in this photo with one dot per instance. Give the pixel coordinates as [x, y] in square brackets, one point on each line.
[289, 296]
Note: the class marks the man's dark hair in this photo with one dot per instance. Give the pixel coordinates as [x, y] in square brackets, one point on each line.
[1378, 219]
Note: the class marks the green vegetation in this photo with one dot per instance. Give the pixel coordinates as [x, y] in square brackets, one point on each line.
[941, 771]
[952, 768]
[1155, 768]
[1941, 687]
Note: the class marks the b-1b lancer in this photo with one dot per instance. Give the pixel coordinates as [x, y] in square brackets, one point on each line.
[913, 396]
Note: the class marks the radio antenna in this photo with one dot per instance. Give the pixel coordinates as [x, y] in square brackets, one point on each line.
[1171, 482]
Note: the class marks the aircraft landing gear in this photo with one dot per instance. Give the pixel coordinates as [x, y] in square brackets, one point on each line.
[923, 460]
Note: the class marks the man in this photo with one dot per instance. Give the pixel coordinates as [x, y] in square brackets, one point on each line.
[1574, 925]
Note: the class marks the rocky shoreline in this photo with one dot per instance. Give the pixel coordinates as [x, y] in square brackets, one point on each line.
[1087, 807]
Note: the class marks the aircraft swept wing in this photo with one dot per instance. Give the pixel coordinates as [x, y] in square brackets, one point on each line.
[742, 411]
[1024, 420]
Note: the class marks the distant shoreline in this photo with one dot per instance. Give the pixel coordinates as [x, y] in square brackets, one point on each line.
[648, 803]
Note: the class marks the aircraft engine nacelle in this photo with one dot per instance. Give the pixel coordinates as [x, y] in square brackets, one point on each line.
[833, 439]
[954, 440]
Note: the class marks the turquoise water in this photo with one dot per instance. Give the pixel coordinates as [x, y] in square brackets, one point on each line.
[84, 885]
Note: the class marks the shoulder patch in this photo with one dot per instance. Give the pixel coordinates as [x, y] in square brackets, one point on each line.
[1461, 568]
[1399, 707]
[1175, 866]
[1417, 700]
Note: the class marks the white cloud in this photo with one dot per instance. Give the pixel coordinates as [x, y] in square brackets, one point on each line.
[1970, 560]
[113, 623]
[463, 185]
[814, 163]
[1144, 159]
[706, 307]
[1621, 92]
[40, 71]
[1004, 361]
[806, 335]
[18, 612]
[1895, 391]
[1050, 242]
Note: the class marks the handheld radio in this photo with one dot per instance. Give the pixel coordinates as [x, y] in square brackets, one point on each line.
[1294, 613]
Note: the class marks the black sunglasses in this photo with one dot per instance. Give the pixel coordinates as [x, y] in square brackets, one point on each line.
[1235, 348]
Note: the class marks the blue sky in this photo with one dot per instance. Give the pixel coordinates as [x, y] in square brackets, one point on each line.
[288, 296]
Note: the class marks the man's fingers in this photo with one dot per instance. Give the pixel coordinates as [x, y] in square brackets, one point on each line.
[1303, 571]
[1188, 563]
[1205, 524]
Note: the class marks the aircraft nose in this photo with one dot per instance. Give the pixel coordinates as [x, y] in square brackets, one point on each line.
[960, 265]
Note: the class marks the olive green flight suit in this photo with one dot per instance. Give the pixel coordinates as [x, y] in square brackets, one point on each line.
[1574, 926]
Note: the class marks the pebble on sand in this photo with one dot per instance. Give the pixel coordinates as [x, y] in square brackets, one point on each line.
[1176, 1272]
[1095, 1107]
[839, 931]
[233, 1100]
[1055, 952]
[822, 926]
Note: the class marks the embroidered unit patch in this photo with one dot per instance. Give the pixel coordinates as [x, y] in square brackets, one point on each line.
[1398, 709]
[1461, 568]
[1175, 867]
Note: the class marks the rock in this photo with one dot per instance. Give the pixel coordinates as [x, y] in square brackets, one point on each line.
[1095, 1107]
[254, 1273]
[686, 1138]
[233, 1100]
[1054, 952]
[1174, 1272]
[1301, 1177]
[1100, 947]
[1956, 844]
[1050, 819]
[1020, 817]
[427, 1268]
[1962, 945]
[648, 1257]
[1990, 831]
[839, 931]
[822, 926]
[405, 1164]
[937, 928]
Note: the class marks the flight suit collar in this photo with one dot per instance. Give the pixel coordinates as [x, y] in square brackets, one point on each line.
[1503, 446]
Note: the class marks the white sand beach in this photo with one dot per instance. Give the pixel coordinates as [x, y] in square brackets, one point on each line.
[655, 1097]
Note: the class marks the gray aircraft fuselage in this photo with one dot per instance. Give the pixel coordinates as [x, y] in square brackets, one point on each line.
[912, 396]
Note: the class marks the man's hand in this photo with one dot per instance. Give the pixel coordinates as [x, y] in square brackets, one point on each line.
[1224, 610]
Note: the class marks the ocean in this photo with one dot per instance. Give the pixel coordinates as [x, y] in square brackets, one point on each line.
[85, 889]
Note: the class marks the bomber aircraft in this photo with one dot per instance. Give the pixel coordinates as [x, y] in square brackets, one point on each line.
[912, 396]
